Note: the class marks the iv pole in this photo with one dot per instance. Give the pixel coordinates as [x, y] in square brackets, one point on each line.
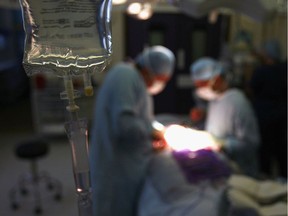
[61, 40]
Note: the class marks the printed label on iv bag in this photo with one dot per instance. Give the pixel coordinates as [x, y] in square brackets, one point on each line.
[66, 34]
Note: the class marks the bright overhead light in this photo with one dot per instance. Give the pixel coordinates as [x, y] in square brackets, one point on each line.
[118, 2]
[134, 8]
[146, 12]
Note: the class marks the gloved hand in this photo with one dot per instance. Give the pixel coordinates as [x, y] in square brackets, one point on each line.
[158, 140]
[159, 145]
[157, 134]
[197, 114]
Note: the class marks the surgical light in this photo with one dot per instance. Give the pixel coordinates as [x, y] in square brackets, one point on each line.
[134, 8]
[141, 9]
[119, 2]
[146, 12]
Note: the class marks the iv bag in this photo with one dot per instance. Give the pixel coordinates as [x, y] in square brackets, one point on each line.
[66, 36]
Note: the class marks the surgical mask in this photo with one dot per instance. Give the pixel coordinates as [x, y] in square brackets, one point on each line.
[156, 87]
[207, 93]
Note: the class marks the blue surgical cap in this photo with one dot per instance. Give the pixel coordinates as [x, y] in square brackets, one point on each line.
[272, 49]
[204, 69]
[158, 59]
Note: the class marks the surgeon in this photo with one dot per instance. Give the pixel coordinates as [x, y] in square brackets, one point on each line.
[230, 118]
[122, 134]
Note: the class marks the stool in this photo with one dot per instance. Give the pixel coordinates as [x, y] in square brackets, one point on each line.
[30, 183]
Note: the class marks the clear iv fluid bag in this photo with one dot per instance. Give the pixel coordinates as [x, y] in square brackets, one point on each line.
[66, 35]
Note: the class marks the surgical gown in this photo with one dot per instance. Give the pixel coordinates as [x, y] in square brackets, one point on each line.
[120, 147]
[231, 118]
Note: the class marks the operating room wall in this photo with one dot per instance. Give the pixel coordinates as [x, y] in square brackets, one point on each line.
[274, 28]
[13, 82]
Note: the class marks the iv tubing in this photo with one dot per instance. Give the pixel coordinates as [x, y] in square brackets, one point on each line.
[72, 107]
[88, 88]
[77, 134]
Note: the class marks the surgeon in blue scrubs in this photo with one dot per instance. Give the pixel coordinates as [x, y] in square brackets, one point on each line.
[122, 133]
[230, 117]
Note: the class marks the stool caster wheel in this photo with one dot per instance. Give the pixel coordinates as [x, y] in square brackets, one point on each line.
[15, 206]
[58, 197]
[24, 191]
[50, 187]
[38, 210]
